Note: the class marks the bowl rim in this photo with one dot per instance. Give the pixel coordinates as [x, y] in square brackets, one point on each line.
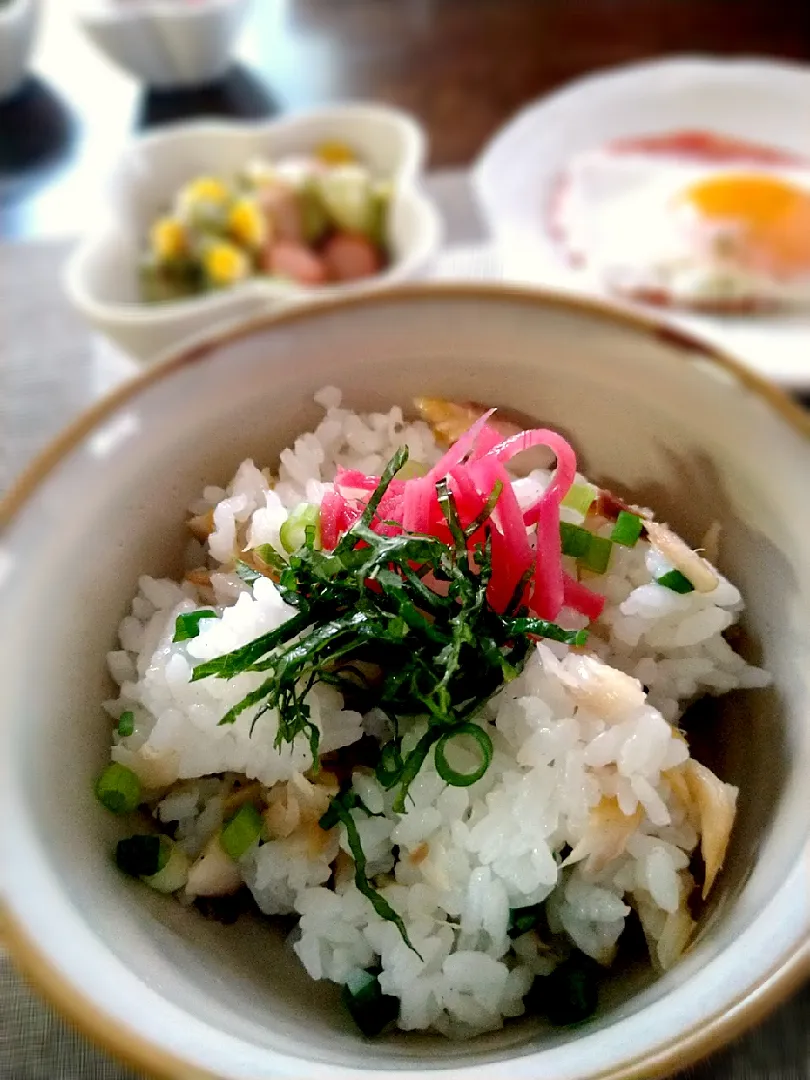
[409, 188]
[781, 977]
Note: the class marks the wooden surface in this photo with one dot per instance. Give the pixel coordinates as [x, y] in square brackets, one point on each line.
[463, 66]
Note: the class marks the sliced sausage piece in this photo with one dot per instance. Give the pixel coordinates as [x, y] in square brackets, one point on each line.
[349, 257]
[296, 262]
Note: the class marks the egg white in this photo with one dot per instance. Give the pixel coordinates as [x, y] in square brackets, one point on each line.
[618, 219]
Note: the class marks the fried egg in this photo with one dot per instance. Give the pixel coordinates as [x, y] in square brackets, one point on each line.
[695, 221]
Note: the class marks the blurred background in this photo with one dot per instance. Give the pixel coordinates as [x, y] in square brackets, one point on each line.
[461, 66]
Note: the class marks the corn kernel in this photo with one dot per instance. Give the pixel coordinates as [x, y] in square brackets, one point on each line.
[225, 264]
[167, 238]
[335, 153]
[247, 224]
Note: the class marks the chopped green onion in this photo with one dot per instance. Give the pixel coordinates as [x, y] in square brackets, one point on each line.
[293, 533]
[627, 529]
[675, 580]
[570, 994]
[579, 497]
[445, 769]
[241, 831]
[270, 557]
[579, 543]
[368, 1006]
[575, 540]
[174, 874]
[188, 625]
[597, 556]
[119, 789]
[143, 855]
[126, 723]
[390, 766]
[521, 920]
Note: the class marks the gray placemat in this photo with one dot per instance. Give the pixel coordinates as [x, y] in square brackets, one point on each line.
[52, 366]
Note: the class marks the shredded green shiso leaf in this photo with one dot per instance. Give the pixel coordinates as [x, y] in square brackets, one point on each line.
[188, 626]
[339, 812]
[366, 603]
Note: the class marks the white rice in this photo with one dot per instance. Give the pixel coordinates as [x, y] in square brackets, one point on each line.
[459, 859]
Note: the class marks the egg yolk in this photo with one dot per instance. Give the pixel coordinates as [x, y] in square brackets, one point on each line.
[771, 218]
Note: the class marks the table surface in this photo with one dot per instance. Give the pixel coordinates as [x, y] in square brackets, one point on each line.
[462, 66]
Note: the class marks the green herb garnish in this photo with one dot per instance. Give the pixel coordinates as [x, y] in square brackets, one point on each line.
[445, 652]
[188, 625]
[627, 529]
[570, 994]
[241, 831]
[143, 855]
[270, 557]
[579, 497]
[676, 581]
[413, 763]
[521, 920]
[126, 723]
[592, 551]
[245, 572]
[389, 767]
[484, 748]
[301, 529]
[574, 539]
[597, 556]
[368, 1006]
[340, 812]
[118, 789]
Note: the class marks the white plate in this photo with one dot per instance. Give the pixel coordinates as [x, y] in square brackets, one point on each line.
[754, 99]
